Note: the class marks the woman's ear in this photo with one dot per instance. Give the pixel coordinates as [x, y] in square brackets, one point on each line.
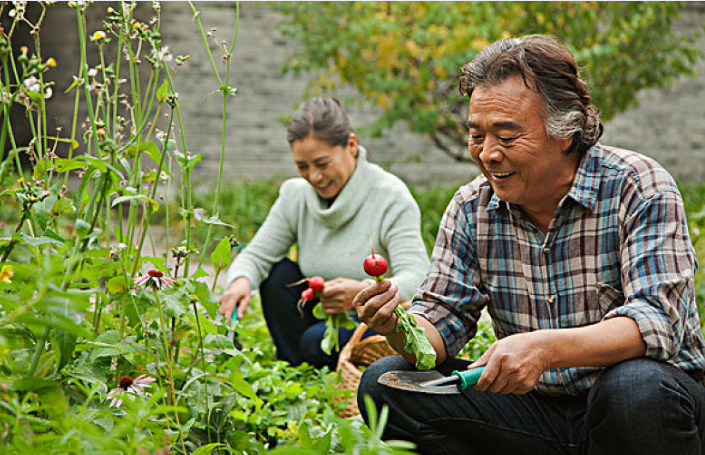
[352, 145]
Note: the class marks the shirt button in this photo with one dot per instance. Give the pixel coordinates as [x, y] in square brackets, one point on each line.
[546, 250]
[551, 299]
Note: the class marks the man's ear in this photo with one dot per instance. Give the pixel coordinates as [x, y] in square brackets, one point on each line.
[566, 143]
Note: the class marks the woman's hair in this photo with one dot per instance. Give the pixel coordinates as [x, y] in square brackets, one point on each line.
[548, 67]
[322, 118]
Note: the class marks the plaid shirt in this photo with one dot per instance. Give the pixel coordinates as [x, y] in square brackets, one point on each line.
[617, 245]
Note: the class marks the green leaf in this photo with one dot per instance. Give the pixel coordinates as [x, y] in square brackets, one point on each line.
[151, 150]
[220, 257]
[200, 273]
[319, 312]
[162, 93]
[214, 220]
[42, 240]
[117, 285]
[228, 91]
[416, 341]
[67, 344]
[72, 142]
[176, 304]
[320, 445]
[43, 209]
[208, 449]
[188, 161]
[154, 205]
[244, 388]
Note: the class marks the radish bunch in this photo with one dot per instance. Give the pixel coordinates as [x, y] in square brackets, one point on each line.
[416, 341]
[334, 321]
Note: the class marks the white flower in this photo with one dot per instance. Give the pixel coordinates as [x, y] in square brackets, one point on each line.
[32, 84]
[164, 55]
[161, 135]
[128, 387]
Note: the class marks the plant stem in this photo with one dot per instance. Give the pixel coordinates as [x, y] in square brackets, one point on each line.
[167, 356]
[12, 243]
[38, 351]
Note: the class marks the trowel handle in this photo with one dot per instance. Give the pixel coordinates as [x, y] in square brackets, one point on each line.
[468, 377]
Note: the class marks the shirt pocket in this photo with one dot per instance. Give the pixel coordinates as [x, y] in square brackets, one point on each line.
[600, 299]
[608, 297]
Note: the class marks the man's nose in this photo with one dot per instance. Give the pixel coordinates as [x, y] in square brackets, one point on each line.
[490, 152]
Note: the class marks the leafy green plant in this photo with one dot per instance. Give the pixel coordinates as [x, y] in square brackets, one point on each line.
[404, 57]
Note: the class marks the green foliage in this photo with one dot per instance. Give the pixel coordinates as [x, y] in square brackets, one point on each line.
[106, 349]
[416, 341]
[404, 57]
[480, 342]
[432, 203]
[694, 199]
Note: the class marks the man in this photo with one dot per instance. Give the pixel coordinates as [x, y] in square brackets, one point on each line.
[581, 255]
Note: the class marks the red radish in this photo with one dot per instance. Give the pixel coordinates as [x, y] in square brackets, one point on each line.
[375, 265]
[316, 283]
[308, 295]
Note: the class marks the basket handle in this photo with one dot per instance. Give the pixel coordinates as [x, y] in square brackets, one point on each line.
[357, 334]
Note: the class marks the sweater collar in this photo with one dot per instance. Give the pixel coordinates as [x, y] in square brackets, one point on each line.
[349, 200]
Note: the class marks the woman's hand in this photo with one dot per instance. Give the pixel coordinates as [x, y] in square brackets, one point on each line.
[237, 297]
[338, 294]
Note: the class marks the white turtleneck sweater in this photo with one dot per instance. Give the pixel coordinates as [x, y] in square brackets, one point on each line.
[334, 241]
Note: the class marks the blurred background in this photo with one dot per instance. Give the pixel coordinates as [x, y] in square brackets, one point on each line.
[394, 65]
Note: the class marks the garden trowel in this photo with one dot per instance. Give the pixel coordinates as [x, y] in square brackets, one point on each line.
[431, 381]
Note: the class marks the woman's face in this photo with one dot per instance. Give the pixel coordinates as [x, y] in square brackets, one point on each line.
[327, 168]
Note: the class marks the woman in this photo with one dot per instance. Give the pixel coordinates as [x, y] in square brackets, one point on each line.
[329, 212]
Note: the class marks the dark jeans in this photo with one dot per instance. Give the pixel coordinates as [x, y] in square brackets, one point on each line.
[638, 407]
[296, 334]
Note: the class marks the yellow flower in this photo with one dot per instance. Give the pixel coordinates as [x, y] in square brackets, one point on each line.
[6, 273]
[110, 10]
[51, 63]
[20, 180]
[136, 25]
[24, 49]
[99, 35]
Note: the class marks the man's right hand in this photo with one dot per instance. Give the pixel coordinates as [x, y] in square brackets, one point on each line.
[236, 298]
[375, 306]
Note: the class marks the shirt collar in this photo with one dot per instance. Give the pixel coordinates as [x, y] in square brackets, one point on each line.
[586, 184]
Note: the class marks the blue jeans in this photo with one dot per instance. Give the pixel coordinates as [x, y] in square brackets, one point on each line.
[638, 407]
[297, 333]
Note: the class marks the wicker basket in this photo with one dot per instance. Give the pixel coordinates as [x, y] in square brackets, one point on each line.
[355, 354]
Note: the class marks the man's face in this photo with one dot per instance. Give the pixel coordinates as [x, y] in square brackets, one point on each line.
[508, 140]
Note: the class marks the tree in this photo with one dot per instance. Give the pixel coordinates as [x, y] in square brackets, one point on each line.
[405, 56]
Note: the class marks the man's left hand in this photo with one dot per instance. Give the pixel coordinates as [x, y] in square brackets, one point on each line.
[513, 364]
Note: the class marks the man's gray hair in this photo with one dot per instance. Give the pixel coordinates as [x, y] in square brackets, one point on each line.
[548, 67]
